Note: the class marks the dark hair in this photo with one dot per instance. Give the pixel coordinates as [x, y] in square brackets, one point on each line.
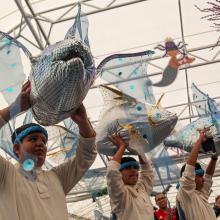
[127, 159]
[19, 130]
[197, 167]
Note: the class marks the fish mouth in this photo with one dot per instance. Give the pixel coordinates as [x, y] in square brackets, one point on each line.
[69, 49]
[163, 129]
[172, 142]
[169, 122]
[72, 54]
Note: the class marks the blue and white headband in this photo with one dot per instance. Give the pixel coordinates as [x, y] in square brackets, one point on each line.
[198, 172]
[29, 130]
[134, 164]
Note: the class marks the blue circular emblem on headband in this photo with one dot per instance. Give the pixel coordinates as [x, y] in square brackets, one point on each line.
[27, 131]
[125, 165]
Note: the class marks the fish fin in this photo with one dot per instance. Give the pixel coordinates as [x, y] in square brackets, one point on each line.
[112, 95]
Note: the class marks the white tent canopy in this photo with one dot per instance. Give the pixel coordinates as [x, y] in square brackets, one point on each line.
[125, 26]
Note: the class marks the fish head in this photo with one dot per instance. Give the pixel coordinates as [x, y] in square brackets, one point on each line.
[132, 120]
[65, 68]
[186, 137]
[161, 123]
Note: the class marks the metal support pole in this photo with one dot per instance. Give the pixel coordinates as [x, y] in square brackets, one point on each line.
[29, 24]
[37, 22]
[186, 72]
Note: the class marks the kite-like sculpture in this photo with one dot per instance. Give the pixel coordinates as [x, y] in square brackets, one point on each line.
[209, 116]
[144, 126]
[62, 75]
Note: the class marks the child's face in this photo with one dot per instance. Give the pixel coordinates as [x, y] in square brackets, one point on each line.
[130, 176]
[35, 144]
[199, 180]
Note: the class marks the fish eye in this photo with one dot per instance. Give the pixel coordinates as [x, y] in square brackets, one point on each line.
[158, 115]
[154, 115]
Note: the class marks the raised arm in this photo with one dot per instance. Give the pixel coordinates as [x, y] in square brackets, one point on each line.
[211, 167]
[195, 150]
[147, 177]
[187, 181]
[21, 103]
[72, 171]
[119, 142]
[116, 188]
[208, 175]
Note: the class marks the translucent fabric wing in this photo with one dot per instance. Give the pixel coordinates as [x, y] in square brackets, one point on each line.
[5, 140]
[215, 115]
[63, 142]
[165, 169]
[201, 101]
[120, 67]
[72, 137]
[11, 66]
[28, 117]
[80, 29]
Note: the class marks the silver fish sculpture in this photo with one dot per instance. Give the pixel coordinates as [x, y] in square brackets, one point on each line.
[187, 137]
[62, 75]
[209, 116]
[143, 126]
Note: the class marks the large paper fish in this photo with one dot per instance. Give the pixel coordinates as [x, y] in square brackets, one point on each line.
[209, 116]
[62, 75]
[144, 126]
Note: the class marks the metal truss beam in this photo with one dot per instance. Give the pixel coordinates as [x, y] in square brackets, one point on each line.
[37, 22]
[23, 13]
[92, 5]
[186, 71]
[104, 9]
[154, 74]
[88, 6]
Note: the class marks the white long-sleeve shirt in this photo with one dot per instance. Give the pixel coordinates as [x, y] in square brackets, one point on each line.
[43, 199]
[194, 203]
[130, 202]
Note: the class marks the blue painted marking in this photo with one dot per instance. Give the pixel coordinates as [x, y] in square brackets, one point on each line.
[13, 65]
[158, 115]
[132, 87]
[139, 108]
[120, 59]
[9, 89]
